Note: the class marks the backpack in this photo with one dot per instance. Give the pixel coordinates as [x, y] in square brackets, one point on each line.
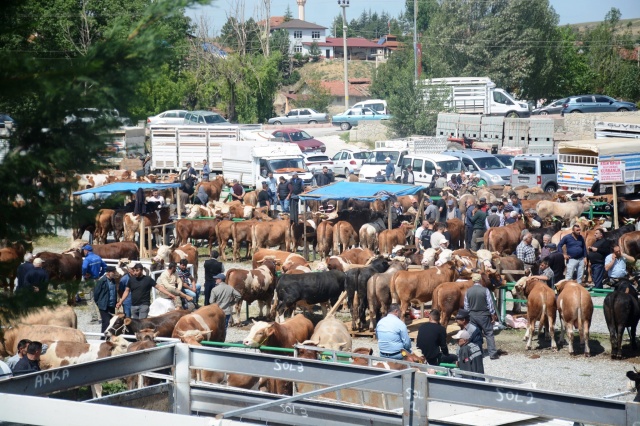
[425, 238]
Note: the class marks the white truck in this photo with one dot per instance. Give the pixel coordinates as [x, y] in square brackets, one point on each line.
[578, 163]
[396, 149]
[172, 147]
[475, 95]
[250, 161]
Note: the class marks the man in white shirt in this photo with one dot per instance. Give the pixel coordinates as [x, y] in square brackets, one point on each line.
[155, 198]
[418, 233]
[437, 236]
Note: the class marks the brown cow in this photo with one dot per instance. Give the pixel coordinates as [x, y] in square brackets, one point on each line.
[324, 235]
[132, 222]
[409, 286]
[242, 232]
[61, 316]
[270, 234]
[389, 238]
[344, 237]
[378, 293]
[251, 198]
[10, 258]
[285, 259]
[62, 353]
[506, 238]
[66, 269]
[145, 339]
[104, 225]
[281, 335]
[201, 229]
[223, 231]
[456, 229]
[357, 255]
[208, 320]
[575, 309]
[630, 244]
[212, 188]
[258, 284]
[163, 324]
[12, 336]
[118, 250]
[541, 306]
[166, 254]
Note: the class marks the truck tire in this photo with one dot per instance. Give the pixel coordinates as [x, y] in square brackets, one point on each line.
[551, 188]
[512, 114]
[277, 123]
[313, 122]
[454, 147]
[345, 126]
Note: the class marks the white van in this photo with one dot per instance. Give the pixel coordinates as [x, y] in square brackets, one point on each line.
[424, 166]
[378, 105]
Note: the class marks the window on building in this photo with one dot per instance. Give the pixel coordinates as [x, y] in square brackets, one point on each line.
[315, 35]
[297, 49]
[297, 34]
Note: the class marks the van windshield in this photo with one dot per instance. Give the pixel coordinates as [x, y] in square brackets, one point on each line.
[287, 165]
[488, 163]
[524, 167]
[379, 156]
[450, 166]
[361, 155]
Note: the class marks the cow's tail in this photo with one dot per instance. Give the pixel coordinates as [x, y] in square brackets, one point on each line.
[487, 235]
[394, 291]
[336, 239]
[543, 315]
[580, 319]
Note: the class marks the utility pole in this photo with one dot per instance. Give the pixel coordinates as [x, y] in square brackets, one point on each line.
[268, 6]
[344, 4]
[415, 40]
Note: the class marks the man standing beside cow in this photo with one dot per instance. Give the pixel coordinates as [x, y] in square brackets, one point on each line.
[105, 294]
[596, 254]
[525, 251]
[392, 334]
[36, 281]
[23, 269]
[284, 194]
[576, 256]
[478, 219]
[297, 186]
[31, 362]
[556, 262]
[224, 296]
[212, 267]
[191, 288]
[139, 286]
[479, 304]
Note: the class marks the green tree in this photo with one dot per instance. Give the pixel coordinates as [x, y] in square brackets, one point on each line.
[426, 10]
[318, 98]
[287, 14]
[314, 52]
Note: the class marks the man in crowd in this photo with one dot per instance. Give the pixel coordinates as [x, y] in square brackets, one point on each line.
[31, 362]
[425, 237]
[555, 259]
[453, 212]
[284, 194]
[616, 263]
[93, 267]
[190, 286]
[191, 172]
[37, 280]
[105, 294]
[546, 273]
[156, 198]
[418, 234]
[437, 236]
[324, 178]
[596, 254]
[483, 204]
[576, 256]
[389, 169]
[467, 223]
[237, 191]
[469, 354]
[379, 177]
[407, 175]
[297, 186]
[441, 205]
[122, 285]
[21, 353]
[479, 304]
[525, 251]
[544, 250]
[392, 334]
[272, 185]
[139, 286]
[206, 171]
[493, 220]
[516, 204]
[464, 322]
[432, 341]
[23, 269]
[430, 210]
[170, 290]
[264, 200]
[224, 296]
[512, 217]
[478, 220]
[212, 267]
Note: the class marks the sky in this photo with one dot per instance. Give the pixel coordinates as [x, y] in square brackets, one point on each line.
[322, 12]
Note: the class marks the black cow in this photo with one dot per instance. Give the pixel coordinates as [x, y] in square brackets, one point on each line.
[313, 288]
[357, 284]
[635, 377]
[614, 235]
[538, 233]
[621, 309]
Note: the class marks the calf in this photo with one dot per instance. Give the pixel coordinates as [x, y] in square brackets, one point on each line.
[324, 236]
[312, 288]
[270, 234]
[9, 343]
[281, 335]
[117, 250]
[163, 324]
[208, 320]
[223, 231]
[61, 353]
[357, 255]
[390, 238]
[145, 339]
[241, 232]
[258, 284]
[541, 306]
[61, 316]
[344, 237]
[330, 333]
[575, 308]
[285, 259]
[621, 309]
[356, 286]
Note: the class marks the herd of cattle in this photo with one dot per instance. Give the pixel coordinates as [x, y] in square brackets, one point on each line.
[372, 267]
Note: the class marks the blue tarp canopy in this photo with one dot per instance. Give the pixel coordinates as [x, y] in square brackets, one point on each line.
[127, 187]
[364, 191]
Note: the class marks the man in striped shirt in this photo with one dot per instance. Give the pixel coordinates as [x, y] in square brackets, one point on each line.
[525, 251]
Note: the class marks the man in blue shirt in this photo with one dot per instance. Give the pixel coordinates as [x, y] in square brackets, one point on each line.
[105, 295]
[93, 267]
[124, 279]
[616, 263]
[206, 171]
[392, 334]
[389, 169]
[576, 255]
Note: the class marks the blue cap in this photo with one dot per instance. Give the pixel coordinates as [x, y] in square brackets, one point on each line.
[219, 277]
[87, 247]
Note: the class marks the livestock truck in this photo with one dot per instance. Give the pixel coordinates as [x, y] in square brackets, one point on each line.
[474, 95]
[251, 161]
[172, 147]
[578, 163]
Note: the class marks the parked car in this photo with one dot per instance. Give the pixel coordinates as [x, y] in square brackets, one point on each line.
[90, 115]
[349, 161]
[204, 118]
[174, 116]
[505, 159]
[300, 116]
[483, 164]
[305, 141]
[554, 107]
[378, 105]
[595, 103]
[535, 170]
[315, 162]
[352, 116]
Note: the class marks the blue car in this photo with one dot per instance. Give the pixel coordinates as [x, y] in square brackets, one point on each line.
[352, 116]
[595, 103]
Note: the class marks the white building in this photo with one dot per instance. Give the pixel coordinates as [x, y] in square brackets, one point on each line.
[302, 34]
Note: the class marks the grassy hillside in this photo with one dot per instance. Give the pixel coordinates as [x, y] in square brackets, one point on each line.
[635, 26]
[333, 71]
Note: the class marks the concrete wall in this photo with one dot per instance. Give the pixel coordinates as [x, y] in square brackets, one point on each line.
[582, 126]
[369, 131]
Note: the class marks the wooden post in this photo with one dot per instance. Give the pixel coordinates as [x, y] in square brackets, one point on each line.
[305, 250]
[178, 209]
[150, 238]
[143, 253]
[389, 221]
[615, 206]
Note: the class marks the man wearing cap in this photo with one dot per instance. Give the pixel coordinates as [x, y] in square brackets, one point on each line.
[483, 204]
[93, 267]
[212, 267]
[297, 186]
[191, 172]
[389, 169]
[469, 354]
[224, 296]
[463, 321]
[206, 171]
[482, 313]
[105, 294]
[493, 220]
[139, 286]
[392, 334]
[237, 191]
[37, 280]
[430, 210]
[453, 212]
[23, 269]
[512, 216]
[432, 341]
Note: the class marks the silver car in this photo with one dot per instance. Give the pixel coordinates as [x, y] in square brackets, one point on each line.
[554, 107]
[535, 170]
[204, 118]
[300, 116]
[174, 116]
